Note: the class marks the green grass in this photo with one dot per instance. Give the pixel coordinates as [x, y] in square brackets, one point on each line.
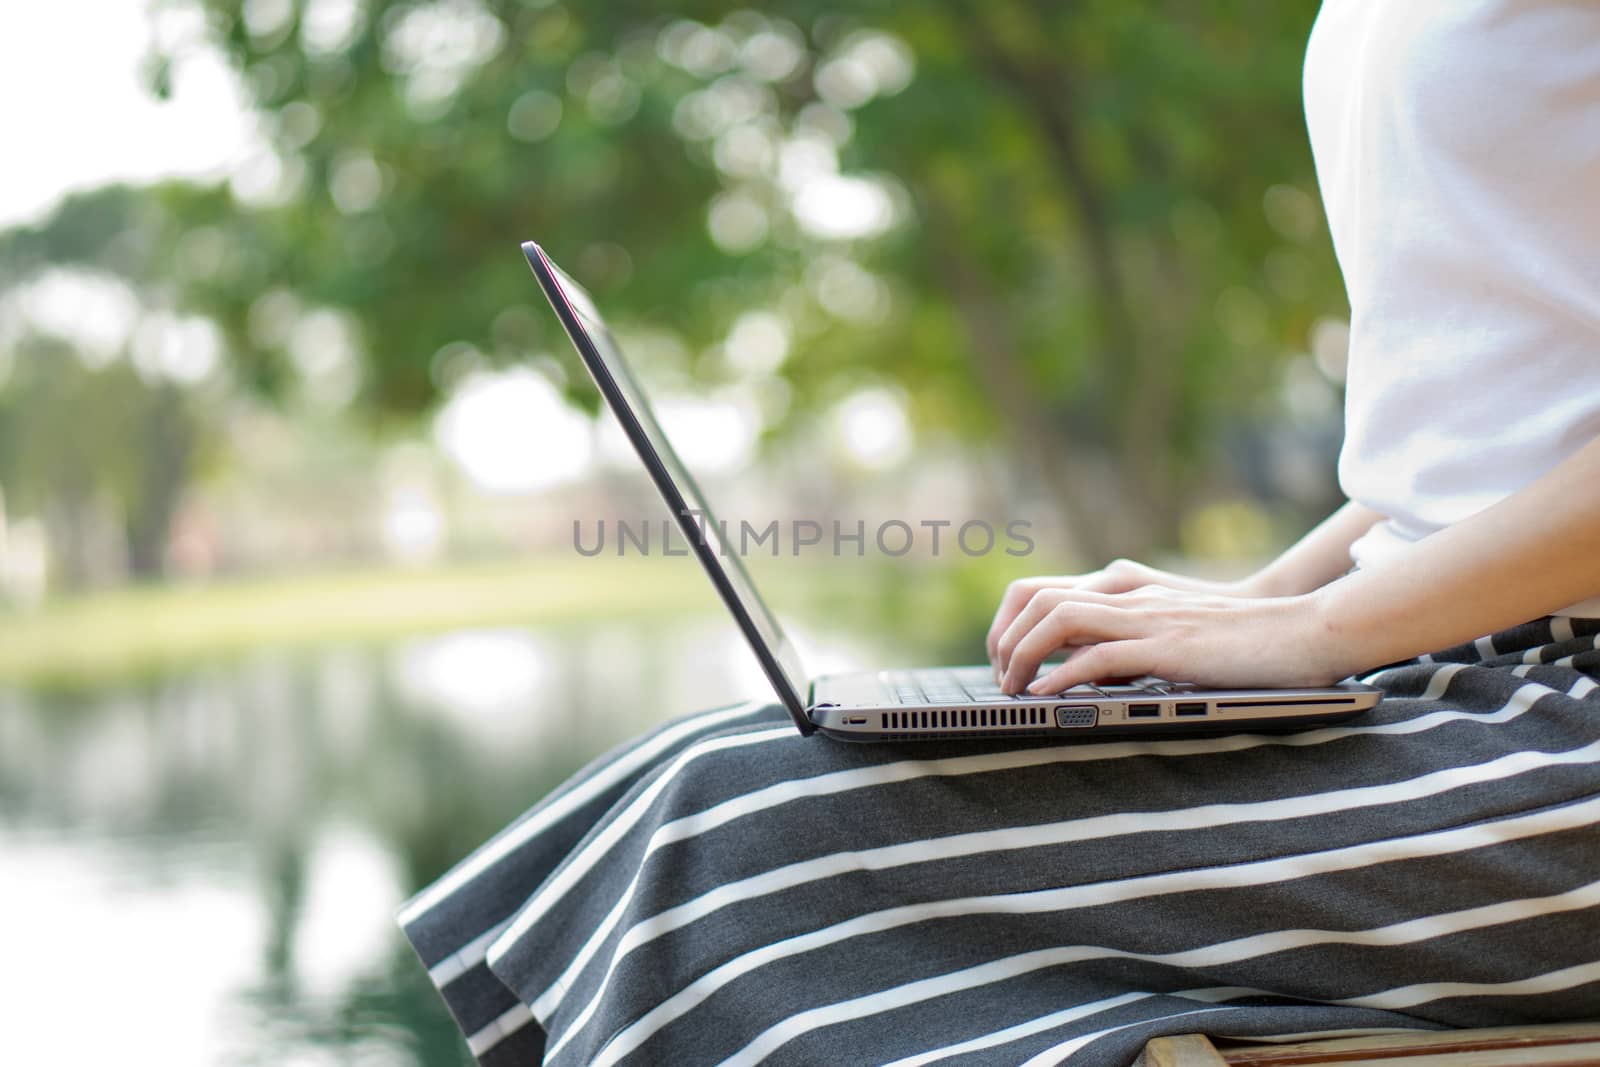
[142, 632]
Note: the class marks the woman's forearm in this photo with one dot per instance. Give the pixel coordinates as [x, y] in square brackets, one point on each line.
[1533, 553]
[1317, 558]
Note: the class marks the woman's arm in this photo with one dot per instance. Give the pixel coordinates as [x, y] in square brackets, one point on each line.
[1535, 552]
[1317, 558]
[1532, 553]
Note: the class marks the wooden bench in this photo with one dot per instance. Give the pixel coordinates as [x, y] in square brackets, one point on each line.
[1566, 1045]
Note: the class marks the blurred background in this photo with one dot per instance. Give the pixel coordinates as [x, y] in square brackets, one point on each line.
[291, 448]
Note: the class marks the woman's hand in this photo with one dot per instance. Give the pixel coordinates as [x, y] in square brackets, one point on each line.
[1121, 576]
[1213, 639]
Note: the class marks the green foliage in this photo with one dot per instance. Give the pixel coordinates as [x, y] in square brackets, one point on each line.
[1105, 234]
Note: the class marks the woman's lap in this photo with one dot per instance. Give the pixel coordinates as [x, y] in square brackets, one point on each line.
[726, 888]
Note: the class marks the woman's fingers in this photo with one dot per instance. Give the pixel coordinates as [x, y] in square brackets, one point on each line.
[1097, 663]
[1043, 628]
[1015, 598]
[1031, 615]
[1120, 576]
[1011, 602]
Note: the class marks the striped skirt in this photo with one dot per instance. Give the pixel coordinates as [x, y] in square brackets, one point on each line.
[724, 891]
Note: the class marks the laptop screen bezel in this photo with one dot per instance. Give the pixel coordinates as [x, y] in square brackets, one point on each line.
[780, 664]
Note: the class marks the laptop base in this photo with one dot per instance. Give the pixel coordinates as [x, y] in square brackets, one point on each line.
[875, 707]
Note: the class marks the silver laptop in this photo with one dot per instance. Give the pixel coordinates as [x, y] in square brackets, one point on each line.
[905, 705]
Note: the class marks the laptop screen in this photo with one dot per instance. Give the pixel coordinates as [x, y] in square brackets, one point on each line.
[627, 401]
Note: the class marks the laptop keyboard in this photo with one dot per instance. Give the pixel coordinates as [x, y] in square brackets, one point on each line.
[976, 685]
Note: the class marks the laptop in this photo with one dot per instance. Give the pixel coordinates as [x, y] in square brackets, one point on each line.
[920, 704]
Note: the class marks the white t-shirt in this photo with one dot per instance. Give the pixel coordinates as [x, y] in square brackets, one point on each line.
[1457, 144]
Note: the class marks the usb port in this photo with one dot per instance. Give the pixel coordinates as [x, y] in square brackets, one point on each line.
[1192, 708]
[1144, 711]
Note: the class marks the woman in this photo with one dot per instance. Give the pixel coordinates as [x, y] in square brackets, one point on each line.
[726, 891]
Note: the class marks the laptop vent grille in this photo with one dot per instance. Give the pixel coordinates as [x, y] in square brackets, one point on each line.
[966, 718]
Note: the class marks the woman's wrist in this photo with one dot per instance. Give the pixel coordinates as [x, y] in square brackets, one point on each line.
[1255, 586]
[1345, 635]
[1264, 583]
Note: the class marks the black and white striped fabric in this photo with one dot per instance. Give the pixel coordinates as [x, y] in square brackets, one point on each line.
[724, 891]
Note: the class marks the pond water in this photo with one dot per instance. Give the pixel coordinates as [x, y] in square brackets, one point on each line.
[204, 869]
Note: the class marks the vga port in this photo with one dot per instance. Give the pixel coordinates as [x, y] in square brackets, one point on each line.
[1072, 716]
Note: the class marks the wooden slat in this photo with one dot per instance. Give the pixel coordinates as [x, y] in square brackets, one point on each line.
[1587, 1055]
[1185, 1050]
[1567, 1045]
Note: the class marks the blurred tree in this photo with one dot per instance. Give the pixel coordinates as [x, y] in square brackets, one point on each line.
[77, 443]
[1087, 228]
[104, 443]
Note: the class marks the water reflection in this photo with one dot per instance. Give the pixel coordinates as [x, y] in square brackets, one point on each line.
[203, 870]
